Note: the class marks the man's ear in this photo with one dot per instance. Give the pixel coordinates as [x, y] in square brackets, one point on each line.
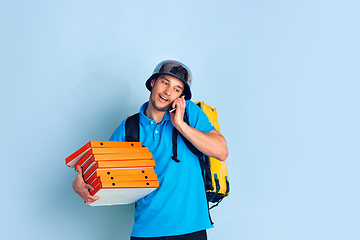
[152, 83]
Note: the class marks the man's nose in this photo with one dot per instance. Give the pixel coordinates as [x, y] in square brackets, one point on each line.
[167, 90]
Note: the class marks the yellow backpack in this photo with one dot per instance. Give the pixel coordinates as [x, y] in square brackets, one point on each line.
[220, 186]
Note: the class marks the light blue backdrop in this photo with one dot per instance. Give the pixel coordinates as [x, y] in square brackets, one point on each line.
[284, 76]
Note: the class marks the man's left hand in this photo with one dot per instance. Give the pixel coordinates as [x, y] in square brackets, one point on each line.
[177, 117]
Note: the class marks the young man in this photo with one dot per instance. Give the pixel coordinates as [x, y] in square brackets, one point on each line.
[178, 208]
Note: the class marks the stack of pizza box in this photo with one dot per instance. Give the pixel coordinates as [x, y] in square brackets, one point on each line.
[119, 172]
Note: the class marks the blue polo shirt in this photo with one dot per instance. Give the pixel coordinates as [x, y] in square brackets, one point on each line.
[179, 205]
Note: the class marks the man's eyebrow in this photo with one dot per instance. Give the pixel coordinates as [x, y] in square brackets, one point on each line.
[164, 77]
[169, 81]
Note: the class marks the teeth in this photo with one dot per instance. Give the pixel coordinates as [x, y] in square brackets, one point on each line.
[163, 98]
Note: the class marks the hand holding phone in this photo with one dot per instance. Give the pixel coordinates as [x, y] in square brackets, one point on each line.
[177, 112]
[174, 109]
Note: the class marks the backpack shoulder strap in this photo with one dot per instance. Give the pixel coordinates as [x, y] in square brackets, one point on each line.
[191, 147]
[132, 128]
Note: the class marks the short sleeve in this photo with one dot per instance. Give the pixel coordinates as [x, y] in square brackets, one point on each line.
[197, 118]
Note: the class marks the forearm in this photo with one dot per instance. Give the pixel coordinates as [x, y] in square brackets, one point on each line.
[212, 144]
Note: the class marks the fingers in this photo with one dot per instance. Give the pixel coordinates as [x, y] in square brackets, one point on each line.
[85, 194]
[91, 199]
[88, 187]
[179, 103]
[79, 181]
[79, 170]
[83, 189]
[177, 117]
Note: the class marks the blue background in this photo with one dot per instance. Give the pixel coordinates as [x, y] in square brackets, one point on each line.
[284, 76]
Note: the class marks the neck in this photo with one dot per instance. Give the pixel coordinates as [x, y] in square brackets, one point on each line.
[154, 114]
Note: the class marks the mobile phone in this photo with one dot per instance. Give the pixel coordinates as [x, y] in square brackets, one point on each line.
[173, 109]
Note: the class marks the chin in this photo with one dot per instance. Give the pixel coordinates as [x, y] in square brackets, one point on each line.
[160, 108]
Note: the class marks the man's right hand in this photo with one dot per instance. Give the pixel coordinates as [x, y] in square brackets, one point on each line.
[82, 188]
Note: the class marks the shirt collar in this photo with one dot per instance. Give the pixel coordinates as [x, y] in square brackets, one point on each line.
[145, 120]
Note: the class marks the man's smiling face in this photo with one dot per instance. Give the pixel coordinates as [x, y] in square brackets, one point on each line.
[165, 89]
